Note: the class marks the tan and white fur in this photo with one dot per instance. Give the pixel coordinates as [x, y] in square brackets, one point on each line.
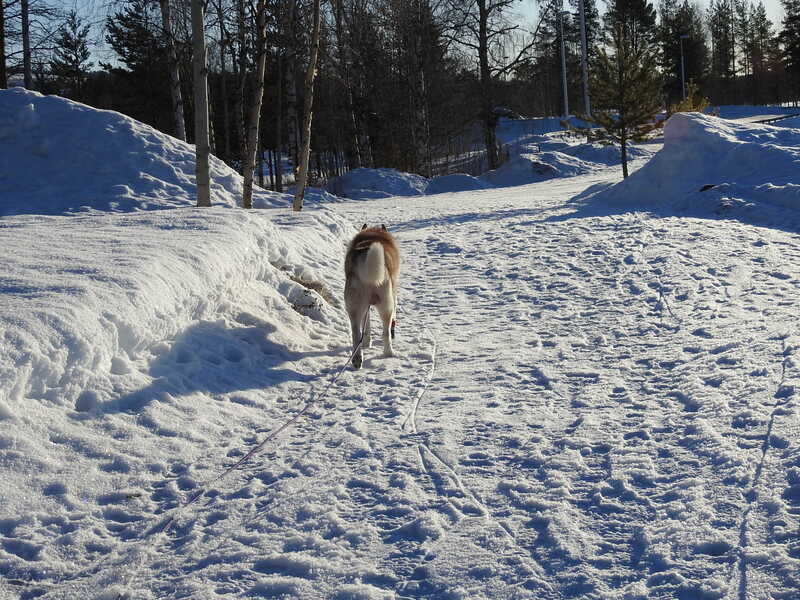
[371, 269]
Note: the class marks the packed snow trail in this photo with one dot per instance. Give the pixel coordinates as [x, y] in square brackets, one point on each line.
[585, 404]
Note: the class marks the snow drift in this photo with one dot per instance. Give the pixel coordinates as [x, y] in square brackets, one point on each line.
[735, 164]
[63, 157]
[368, 184]
[112, 285]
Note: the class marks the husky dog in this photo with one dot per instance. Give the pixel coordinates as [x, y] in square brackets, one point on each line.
[371, 268]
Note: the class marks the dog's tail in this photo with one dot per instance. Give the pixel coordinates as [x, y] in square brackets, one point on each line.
[373, 269]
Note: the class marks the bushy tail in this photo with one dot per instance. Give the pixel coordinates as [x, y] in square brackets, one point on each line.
[373, 269]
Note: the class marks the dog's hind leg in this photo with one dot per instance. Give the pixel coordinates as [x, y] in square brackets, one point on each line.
[357, 315]
[386, 310]
[367, 343]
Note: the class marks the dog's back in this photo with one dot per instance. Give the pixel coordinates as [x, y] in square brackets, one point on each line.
[372, 256]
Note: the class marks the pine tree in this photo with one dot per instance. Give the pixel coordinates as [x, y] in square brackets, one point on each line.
[637, 16]
[722, 68]
[626, 91]
[790, 39]
[763, 38]
[684, 54]
[70, 63]
[135, 35]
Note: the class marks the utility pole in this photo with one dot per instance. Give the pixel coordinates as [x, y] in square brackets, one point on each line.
[563, 62]
[587, 107]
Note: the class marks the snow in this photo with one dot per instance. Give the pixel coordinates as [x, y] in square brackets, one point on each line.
[532, 158]
[595, 393]
[754, 170]
[365, 184]
[746, 113]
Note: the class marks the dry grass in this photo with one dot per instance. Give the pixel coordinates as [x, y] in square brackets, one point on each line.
[317, 286]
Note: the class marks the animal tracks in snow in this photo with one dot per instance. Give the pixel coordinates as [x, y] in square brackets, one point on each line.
[583, 406]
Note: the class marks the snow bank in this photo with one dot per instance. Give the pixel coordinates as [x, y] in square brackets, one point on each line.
[115, 285]
[64, 157]
[123, 307]
[747, 112]
[457, 182]
[368, 184]
[747, 164]
[532, 158]
[553, 156]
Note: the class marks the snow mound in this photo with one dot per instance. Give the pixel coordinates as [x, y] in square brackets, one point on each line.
[58, 157]
[368, 184]
[745, 111]
[457, 182]
[549, 157]
[734, 164]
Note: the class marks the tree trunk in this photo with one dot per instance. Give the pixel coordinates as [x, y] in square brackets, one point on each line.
[344, 62]
[174, 73]
[200, 105]
[291, 90]
[26, 44]
[242, 62]
[255, 108]
[278, 167]
[300, 186]
[623, 151]
[489, 119]
[226, 120]
[3, 73]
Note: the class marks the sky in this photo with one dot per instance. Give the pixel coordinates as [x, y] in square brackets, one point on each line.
[95, 12]
[528, 8]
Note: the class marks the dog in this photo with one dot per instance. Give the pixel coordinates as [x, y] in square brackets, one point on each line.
[371, 269]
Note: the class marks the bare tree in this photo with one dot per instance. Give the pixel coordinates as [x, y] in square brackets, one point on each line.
[174, 72]
[254, 118]
[3, 73]
[200, 104]
[300, 185]
[481, 26]
[289, 74]
[224, 42]
[26, 44]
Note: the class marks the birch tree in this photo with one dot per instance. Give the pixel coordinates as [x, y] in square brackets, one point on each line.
[174, 72]
[305, 152]
[27, 73]
[289, 83]
[200, 104]
[3, 73]
[254, 116]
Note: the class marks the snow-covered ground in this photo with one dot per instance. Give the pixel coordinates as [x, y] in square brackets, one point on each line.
[595, 394]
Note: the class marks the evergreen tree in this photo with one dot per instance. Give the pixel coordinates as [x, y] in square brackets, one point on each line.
[722, 67]
[744, 35]
[637, 16]
[790, 40]
[70, 63]
[763, 39]
[684, 54]
[135, 35]
[626, 91]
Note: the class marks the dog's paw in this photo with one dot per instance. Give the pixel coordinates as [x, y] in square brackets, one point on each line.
[357, 360]
[388, 353]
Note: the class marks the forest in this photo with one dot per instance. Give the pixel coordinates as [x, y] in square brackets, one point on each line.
[406, 84]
